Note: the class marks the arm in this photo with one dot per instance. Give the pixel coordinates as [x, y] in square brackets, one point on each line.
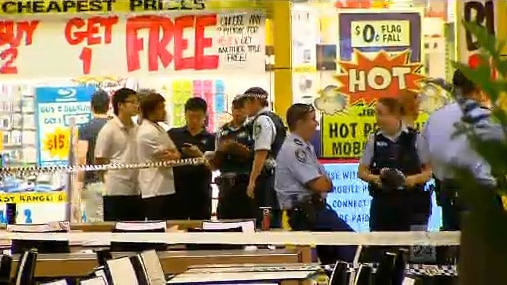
[480, 118]
[103, 149]
[308, 173]
[423, 153]
[264, 135]
[363, 171]
[148, 146]
[82, 150]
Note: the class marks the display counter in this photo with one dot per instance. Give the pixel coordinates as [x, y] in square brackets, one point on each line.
[79, 264]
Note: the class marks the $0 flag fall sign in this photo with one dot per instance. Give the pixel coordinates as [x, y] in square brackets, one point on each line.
[57, 143]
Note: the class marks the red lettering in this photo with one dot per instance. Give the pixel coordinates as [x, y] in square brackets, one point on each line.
[86, 58]
[181, 44]
[204, 61]
[158, 44]
[157, 47]
[8, 57]
[134, 44]
[95, 30]
[12, 32]
[11, 35]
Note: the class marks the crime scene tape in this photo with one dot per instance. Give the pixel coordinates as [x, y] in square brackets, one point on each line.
[259, 238]
[34, 170]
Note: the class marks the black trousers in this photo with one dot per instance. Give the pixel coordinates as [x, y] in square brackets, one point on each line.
[233, 202]
[193, 202]
[399, 210]
[123, 208]
[160, 207]
[326, 220]
[265, 196]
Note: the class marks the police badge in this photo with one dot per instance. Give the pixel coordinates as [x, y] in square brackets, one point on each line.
[300, 155]
[257, 131]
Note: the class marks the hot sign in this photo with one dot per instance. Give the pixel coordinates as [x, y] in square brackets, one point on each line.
[370, 78]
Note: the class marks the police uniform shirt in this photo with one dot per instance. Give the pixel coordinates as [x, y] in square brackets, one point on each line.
[296, 165]
[264, 131]
[480, 118]
[446, 150]
[420, 145]
[239, 135]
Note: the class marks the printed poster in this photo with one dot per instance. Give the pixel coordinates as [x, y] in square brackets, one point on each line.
[379, 55]
[56, 108]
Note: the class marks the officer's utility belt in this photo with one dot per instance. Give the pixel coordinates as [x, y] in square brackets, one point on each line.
[267, 171]
[305, 212]
[231, 178]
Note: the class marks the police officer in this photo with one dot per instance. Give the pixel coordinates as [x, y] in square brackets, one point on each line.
[395, 152]
[446, 150]
[268, 132]
[302, 183]
[233, 157]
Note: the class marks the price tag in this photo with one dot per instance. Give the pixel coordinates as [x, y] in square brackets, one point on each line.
[380, 33]
[57, 143]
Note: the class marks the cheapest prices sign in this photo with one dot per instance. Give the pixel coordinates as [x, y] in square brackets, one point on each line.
[24, 7]
[129, 45]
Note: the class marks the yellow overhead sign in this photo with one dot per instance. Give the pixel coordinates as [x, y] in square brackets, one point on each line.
[37, 7]
[21, 198]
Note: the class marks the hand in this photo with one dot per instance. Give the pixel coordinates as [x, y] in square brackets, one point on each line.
[192, 150]
[410, 181]
[167, 155]
[375, 179]
[383, 171]
[239, 149]
[223, 145]
[250, 190]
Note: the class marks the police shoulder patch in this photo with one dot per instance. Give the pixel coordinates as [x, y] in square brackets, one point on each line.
[257, 130]
[300, 155]
[298, 142]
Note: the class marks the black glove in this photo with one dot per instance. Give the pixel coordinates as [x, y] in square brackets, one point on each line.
[392, 179]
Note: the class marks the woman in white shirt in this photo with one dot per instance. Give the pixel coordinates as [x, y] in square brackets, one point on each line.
[153, 144]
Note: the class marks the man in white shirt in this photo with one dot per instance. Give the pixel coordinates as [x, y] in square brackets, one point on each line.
[153, 144]
[116, 143]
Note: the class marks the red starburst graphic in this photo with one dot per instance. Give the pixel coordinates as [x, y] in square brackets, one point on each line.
[367, 80]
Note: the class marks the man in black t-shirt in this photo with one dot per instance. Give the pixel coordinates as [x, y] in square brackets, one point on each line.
[193, 183]
[92, 194]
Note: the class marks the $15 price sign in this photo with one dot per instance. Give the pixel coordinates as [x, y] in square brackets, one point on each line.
[380, 33]
[57, 143]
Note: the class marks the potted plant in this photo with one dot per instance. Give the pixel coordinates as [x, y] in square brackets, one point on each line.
[483, 249]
